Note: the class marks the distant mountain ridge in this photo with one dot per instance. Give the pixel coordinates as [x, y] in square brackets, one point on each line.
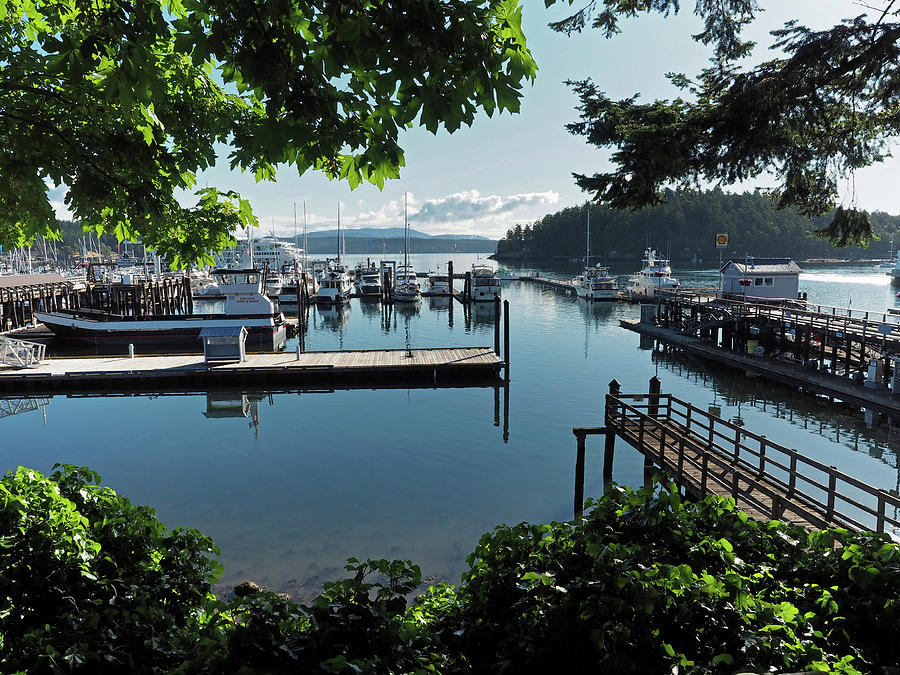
[389, 233]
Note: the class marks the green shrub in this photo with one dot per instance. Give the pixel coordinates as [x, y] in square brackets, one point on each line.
[647, 583]
[90, 581]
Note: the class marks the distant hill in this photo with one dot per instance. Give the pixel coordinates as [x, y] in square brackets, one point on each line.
[390, 233]
[394, 245]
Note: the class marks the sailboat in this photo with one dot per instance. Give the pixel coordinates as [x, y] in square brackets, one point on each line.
[336, 285]
[595, 282]
[889, 263]
[406, 285]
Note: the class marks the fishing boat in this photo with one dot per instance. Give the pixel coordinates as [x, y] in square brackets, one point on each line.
[246, 304]
[406, 283]
[655, 276]
[485, 283]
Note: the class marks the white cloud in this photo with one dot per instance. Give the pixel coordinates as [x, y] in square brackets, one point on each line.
[467, 212]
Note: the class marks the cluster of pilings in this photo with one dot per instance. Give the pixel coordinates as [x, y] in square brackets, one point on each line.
[829, 341]
[21, 295]
[145, 297]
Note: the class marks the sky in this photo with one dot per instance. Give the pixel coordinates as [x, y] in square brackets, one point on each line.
[514, 169]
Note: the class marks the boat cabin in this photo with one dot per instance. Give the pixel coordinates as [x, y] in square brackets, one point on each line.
[760, 279]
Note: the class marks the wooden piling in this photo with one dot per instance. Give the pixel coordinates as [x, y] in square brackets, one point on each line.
[506, 337]
[497, 325]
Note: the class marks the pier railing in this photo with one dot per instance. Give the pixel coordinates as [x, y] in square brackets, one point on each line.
[21, 353]
[732, 459]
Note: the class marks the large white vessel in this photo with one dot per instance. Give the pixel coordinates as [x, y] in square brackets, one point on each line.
[485, 283]
[596, 283]
[655, 276]
[245, 305]
[282, 257]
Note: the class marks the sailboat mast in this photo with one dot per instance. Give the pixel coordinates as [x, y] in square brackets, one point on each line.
[405, 231]
[587, 255]
[305, 241]
[339, 234]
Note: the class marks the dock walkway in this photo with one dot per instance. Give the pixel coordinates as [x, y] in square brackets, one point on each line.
[359, 368]
[708, 455]
[791, 372]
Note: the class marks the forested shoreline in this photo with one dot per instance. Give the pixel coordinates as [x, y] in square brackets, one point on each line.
[685, 226]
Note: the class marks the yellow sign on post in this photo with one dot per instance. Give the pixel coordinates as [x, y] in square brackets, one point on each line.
[721, 240]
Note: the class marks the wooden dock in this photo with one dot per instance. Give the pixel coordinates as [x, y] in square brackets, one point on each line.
[345, 369]
[705, 454]
[789, 370]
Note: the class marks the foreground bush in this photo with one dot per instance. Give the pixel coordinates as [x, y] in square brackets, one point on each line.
[646, 584]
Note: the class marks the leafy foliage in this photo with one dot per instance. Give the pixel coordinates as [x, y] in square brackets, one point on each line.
[646, 583]
[124, 101]
[686, 223]
[811, 118]
[90, 582]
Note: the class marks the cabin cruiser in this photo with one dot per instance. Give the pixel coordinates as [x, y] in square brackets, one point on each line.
[246, 305]
[439, 282]
[595, 283]
[335, 286]
[368, 280]
[655, 276]
[485, 282]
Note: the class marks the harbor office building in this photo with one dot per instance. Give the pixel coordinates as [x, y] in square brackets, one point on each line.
[760, 279]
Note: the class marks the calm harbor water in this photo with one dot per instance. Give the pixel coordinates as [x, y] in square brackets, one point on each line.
[290, 484]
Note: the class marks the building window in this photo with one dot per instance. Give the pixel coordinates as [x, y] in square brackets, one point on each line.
[769, 281]
[757, 281]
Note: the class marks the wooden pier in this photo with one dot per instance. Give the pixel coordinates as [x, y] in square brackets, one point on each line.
[823, 349]
[360, 368]
[705, 454]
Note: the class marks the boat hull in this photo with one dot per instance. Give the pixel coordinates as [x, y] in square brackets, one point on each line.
[267, 332]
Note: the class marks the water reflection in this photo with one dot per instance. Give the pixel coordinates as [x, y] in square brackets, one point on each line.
[841, 423]
[16, 405]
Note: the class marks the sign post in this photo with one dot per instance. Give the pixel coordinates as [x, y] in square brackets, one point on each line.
[721, 242]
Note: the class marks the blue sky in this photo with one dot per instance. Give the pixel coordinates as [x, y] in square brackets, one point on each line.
[515, 168]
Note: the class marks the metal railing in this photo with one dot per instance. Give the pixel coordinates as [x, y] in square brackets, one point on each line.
[21, 353]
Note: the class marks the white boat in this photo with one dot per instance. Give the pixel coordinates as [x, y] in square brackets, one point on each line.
[439, 282]
[335, 285]
[485, 283]
[368, 281]
[245, 305]
[596, 283]
[406, 282]
[655, 276]
[269, 250]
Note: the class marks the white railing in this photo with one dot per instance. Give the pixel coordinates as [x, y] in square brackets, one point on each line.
[21, 353]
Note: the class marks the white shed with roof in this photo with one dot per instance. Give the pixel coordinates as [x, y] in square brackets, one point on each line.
[760, 278]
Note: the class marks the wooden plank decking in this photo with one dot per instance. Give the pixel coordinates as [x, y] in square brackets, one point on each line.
[708, 455]
[368, 368]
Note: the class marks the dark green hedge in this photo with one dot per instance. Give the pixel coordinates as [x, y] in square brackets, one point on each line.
[646, 584]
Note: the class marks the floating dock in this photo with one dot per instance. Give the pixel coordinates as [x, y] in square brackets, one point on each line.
[345, 369]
